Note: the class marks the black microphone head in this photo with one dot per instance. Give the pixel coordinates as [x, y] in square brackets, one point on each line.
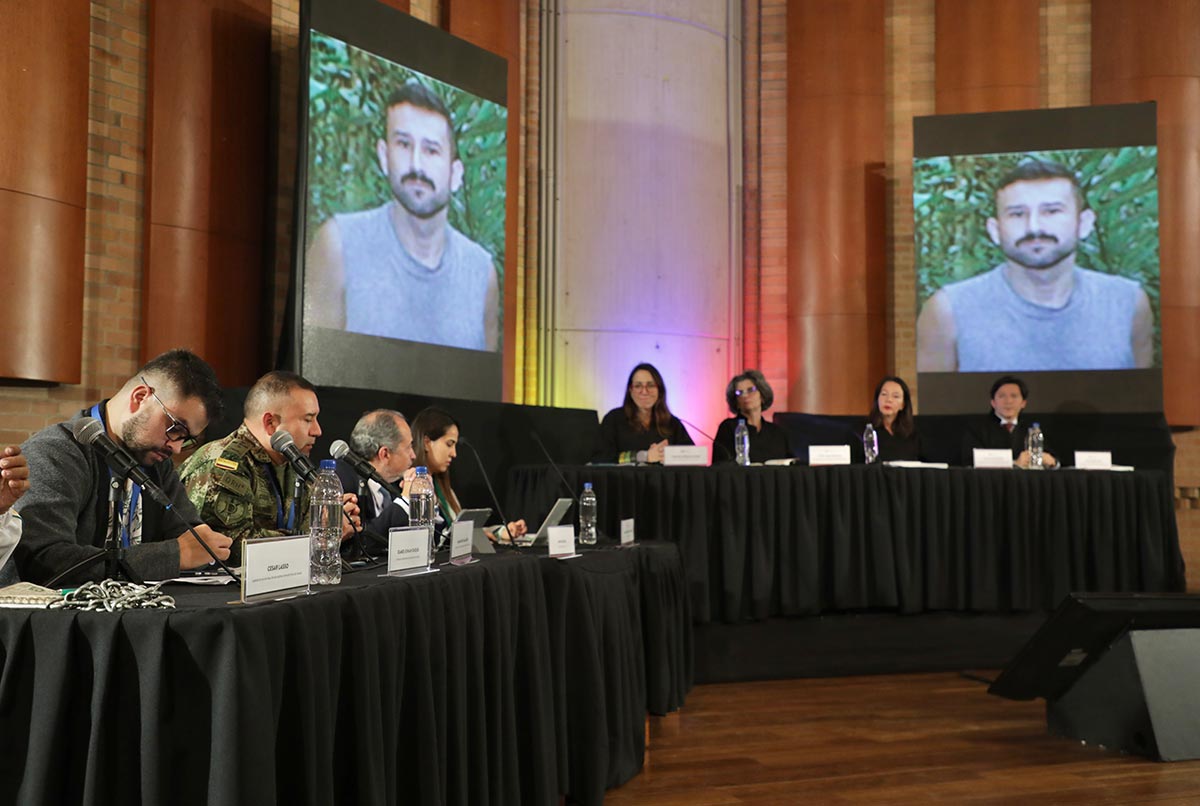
[87, 430]
[339, 448]
[281, 440]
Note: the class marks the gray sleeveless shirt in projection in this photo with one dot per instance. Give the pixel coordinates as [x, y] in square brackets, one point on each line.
[390, 294]
[999, 331]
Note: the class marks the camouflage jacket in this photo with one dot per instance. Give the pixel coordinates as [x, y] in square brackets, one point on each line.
[230, 483]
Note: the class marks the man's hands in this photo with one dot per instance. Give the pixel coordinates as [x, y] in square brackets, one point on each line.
[192, 554]
[14, 477]
[352, 522]
[1048, 459]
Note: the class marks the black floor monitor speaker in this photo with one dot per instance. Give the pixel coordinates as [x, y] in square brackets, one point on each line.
[1117, 670]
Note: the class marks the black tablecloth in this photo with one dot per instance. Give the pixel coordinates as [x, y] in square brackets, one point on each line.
[448, 688]
[790, 541]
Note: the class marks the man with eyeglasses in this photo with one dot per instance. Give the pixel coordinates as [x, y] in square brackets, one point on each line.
[156, 414]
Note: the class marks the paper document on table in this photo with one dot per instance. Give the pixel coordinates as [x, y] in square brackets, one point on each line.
[910, 463]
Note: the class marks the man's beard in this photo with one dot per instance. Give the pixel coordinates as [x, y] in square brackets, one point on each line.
[427, 207]
[133, 436]
[1048, 259]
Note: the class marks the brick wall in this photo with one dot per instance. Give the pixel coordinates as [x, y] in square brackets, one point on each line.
[113, 241]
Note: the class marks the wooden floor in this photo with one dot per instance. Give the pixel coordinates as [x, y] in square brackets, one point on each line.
[903, 739]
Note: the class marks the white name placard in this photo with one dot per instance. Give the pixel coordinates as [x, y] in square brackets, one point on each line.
[275, 567]
[829, 454]
[460, 542]
[684, 455]
[1093, 460]
[408, 549]
[561, 541]
[626, 531]
[992, 457]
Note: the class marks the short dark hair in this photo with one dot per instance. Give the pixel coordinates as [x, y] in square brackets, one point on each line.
[1033, 170]
[417, 94]
[374, 430]
[187, 375]
[755, 377]
[1004, 380]
[269, 388]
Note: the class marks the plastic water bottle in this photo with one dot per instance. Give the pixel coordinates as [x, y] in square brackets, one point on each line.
[325, 526]
[420, 505]
[587, 516]
[741, 442]
[870, 444]
[1035, 443]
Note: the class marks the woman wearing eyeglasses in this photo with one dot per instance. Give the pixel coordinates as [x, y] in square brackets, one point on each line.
[748, 396]
[643, 425]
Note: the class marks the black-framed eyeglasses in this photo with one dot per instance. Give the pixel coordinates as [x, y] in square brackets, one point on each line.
[178, 430]
[746, 391]
[648, 386]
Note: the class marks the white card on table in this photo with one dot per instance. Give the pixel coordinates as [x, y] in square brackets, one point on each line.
[1093, 460]
[993, 457]
[683, 455]
[561, 541]
[829, 454]
[626, 531]
[460, 542]
[408, 549]
[275, 566]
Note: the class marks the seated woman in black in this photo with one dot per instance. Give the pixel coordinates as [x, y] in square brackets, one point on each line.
[748, 396]
[643, 426]
[892, 418]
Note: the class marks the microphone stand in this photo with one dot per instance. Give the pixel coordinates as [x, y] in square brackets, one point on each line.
[578, 509]
[512, 541]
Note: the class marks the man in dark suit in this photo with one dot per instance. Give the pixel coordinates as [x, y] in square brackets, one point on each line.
[1004, 427]
[383, 438]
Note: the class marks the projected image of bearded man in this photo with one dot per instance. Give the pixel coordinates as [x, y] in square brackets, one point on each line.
[1038, 310]
[401, 270]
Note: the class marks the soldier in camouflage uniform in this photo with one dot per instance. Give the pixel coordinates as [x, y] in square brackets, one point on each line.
[241, 484]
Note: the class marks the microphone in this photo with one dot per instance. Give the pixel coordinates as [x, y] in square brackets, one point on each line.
[710, 438]
[488, 482]
[90, 431]
[340, 450]
[557, 469]
[282, 442]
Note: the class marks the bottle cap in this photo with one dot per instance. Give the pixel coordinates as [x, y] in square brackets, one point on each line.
[1036, 425]
[328, 464]
[587, 485]
[421, 471]
[741, 420]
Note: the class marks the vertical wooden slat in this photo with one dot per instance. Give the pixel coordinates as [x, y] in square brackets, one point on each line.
[43, 187]
[207, 169]
[1148, 51]
[836, 203]
[987, 56]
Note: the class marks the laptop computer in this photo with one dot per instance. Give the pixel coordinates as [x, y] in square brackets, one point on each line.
[479, 541]
[554, 518]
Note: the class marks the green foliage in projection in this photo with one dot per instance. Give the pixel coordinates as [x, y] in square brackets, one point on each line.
[954, 196]
[348, 92]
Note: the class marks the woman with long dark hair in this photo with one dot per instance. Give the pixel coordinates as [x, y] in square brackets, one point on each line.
[892, 418]
[643, 425]
[435, 443]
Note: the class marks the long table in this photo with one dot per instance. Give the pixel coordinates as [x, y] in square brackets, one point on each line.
[512, 680]
[761, 542]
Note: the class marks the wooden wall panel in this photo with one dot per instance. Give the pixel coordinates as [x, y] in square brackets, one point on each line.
[43, 187]
[1148, 51]
[837, 214]
[495, 25]
[987, 55]
[207, 172]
